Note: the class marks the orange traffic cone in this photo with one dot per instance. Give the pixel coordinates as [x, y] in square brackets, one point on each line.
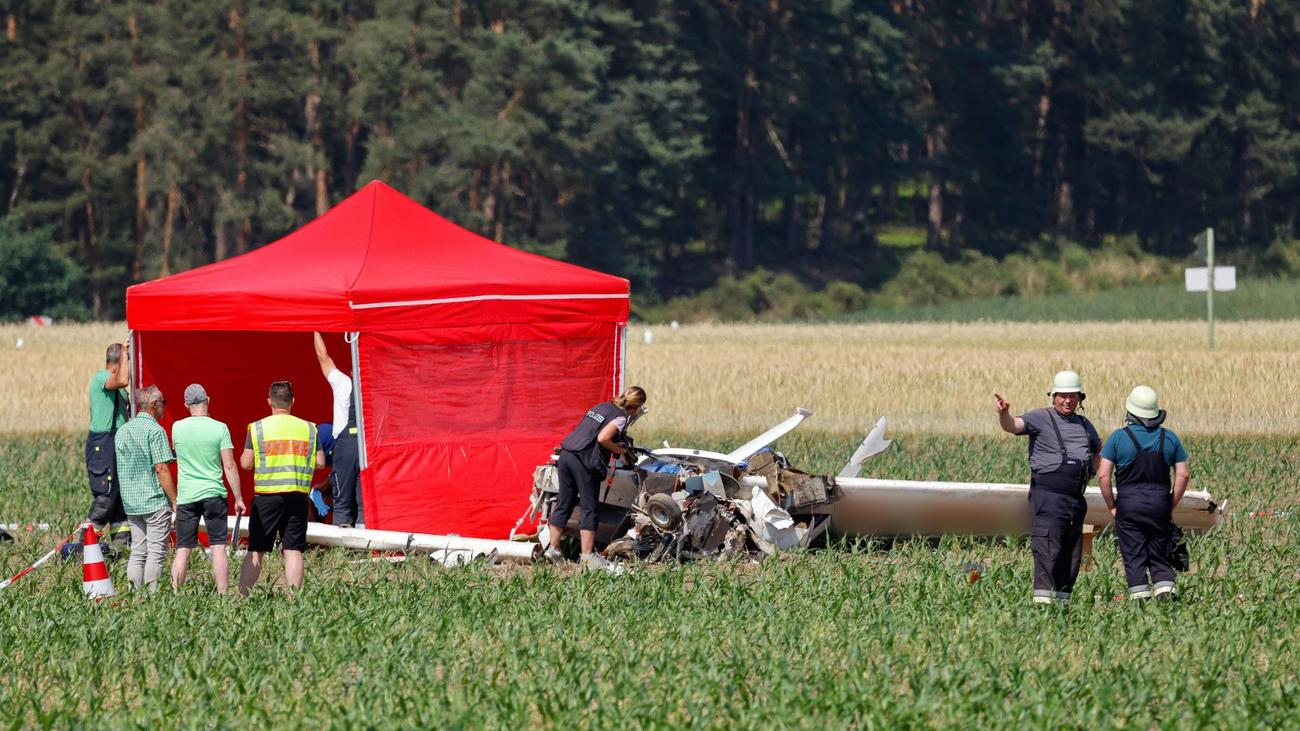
[94, 572]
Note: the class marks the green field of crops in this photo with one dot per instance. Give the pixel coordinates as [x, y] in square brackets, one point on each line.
[860, 636]
[1267, 299]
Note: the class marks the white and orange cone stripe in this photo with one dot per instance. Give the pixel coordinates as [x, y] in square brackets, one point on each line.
[94, 572]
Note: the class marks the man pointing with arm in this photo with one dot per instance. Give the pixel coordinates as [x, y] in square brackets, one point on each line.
[1063, 454]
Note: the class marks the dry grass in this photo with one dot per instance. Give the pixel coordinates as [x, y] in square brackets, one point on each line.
[926, 377]
[939, 378]
[47, 378]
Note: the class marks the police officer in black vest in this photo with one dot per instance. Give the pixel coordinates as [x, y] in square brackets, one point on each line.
[583, 465]
[1063, 454]
[1143, 451]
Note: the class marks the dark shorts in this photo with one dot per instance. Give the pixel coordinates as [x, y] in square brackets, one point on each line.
[213, 512]
[282, 514]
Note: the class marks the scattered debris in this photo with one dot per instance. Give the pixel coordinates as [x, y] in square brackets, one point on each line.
[678, 505]
[683, 503]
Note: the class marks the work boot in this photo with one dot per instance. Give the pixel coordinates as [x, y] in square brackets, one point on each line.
[597, 562]
[552, 555]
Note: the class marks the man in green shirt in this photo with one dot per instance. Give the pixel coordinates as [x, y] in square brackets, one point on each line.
[203, 452]
[108, 412]
[148, 493]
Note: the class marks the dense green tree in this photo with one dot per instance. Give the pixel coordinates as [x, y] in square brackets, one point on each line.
[671, 141]
[35, 277]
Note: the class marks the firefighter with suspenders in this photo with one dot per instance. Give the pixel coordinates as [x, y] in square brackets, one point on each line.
[1139, 456]
[1063, 455]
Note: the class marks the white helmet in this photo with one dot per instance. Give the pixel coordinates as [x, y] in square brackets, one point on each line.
[1142, 402]
[1067, 382]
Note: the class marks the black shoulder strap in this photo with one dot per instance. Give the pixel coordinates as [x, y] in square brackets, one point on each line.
[1051, 416]
[1161, 448]
[1129, 431]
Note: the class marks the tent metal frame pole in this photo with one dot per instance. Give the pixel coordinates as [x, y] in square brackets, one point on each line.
[137, 369]
[355, 347]
[619, 382]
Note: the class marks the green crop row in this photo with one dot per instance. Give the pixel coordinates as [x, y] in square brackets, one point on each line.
[1254, 299]
[858, 636]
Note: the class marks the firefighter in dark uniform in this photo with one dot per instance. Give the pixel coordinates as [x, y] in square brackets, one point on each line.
[583, 465]
[1063, 455]
[1140, 456]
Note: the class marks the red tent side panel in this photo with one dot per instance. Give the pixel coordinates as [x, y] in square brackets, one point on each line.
[456, 419]
[236, 369]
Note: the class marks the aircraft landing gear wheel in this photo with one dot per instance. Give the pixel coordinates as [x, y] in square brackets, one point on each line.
[663, 511]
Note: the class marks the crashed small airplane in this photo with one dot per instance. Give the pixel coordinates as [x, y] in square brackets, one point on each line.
[679, 503]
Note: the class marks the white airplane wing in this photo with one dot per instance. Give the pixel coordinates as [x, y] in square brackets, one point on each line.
[874, 444]
[750, 448]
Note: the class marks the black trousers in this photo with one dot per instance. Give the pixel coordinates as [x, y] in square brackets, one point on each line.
[1144, 532]
[580, 483]
[345, 480]
[1056, 539]
[101, 469]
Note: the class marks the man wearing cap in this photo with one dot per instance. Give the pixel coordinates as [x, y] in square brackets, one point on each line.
[345, 477]
[203, 453]
[148, 493]
[1139, 456]
[1063, 454]
[281, 451]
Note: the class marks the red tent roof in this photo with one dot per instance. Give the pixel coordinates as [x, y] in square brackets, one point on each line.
[376, 261]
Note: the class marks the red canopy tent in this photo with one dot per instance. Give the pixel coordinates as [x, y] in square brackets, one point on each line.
[470, 360]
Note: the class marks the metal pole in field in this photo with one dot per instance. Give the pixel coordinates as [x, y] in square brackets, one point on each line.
[1209, 289]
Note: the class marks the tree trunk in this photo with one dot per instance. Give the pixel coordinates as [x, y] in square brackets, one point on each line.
[1064, 191]
[20, 170]
[1040, 136]
[222, 233]
[11, 28]
[92, 236]
[245, 227]
[141, 165]
[742, 245]
[352, 154]
[169, 226]
[934, 216]
[499, 233]
[320, 162]
[490, 200]
[475, 189]
[888, 205]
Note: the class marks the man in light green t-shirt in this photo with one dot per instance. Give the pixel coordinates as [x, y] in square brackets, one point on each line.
[203, 452]
[109, 410]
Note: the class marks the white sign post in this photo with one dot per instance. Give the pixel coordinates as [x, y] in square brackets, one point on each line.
[1209, 278]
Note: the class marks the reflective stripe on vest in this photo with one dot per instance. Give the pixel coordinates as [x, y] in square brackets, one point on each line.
[284, 454]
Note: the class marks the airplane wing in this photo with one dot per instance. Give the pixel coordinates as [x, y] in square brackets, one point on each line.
[750, 448]
[874, 444]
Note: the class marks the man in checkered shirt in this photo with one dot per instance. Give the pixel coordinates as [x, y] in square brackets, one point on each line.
[144, 458]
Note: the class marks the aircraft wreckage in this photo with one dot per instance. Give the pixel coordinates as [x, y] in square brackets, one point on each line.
[690, 503]
[681, 504]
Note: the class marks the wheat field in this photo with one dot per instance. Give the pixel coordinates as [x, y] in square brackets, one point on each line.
[935, 378]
